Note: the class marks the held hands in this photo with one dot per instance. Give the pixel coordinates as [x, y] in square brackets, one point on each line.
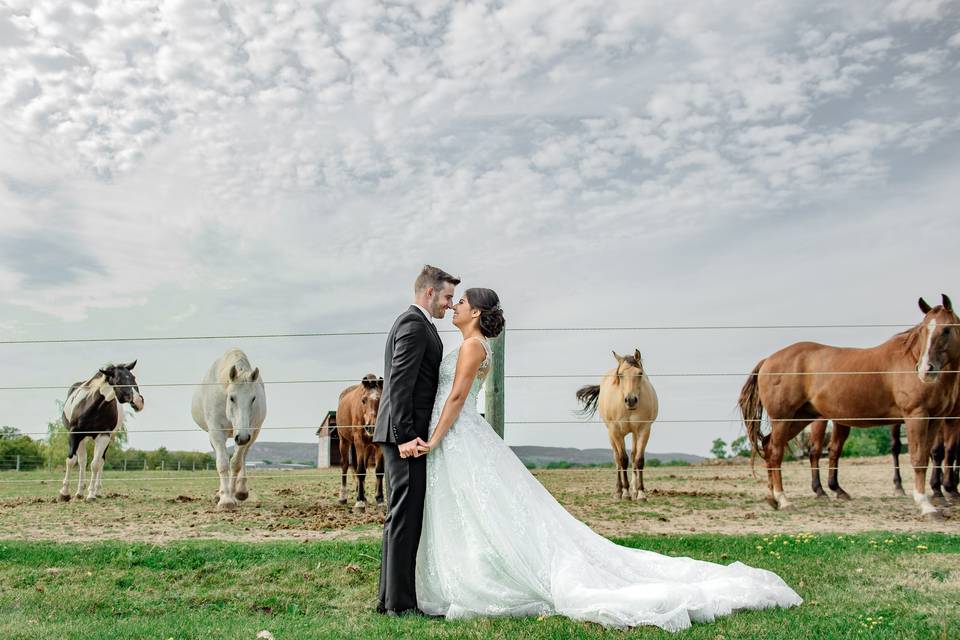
[414, 449]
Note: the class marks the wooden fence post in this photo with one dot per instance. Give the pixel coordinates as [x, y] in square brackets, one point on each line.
[493, 388]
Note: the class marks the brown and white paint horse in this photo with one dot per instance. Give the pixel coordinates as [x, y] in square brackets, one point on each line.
[356, 417]
[93, 409]
[628, 405]
[908, 379]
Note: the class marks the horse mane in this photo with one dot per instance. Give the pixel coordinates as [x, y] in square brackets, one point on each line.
[233, 358]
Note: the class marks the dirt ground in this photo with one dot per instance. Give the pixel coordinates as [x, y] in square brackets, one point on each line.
[711, 498]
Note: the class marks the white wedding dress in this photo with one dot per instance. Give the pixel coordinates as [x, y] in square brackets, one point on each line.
[496, 543]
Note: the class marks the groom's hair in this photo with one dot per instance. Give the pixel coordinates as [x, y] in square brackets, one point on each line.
[434, 277]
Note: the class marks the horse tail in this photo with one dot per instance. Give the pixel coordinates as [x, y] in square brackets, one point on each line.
[752, 411]
[589, 396]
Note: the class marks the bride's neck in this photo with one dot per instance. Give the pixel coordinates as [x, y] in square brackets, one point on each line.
[471, 333]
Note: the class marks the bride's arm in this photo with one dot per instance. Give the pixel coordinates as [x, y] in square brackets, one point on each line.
[472, 355]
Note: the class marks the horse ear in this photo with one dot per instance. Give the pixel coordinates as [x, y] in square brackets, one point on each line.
[380, 382]
[233, 373]
[636, 354]
[617, 356]
[366, 382]
[255, 375]
[129, 367]
[946, 302]
[105, 372]
[924, 306]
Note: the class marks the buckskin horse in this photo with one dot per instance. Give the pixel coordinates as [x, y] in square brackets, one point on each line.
[356, 417]
[93, 410]
[628, 405]
[911, 378]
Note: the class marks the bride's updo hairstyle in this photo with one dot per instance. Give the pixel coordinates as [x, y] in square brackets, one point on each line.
[491, 315]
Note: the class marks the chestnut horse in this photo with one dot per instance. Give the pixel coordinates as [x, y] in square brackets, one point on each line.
[628, 405]
[910, 378]
[356, 417]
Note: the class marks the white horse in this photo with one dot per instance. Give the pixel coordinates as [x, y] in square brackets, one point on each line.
[231, 403]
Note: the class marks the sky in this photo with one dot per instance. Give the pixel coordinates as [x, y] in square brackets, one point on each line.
[220, 168]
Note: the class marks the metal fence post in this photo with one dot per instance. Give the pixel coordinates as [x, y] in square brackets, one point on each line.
[18, 462]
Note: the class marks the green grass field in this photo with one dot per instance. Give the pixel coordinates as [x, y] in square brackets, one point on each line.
[857, 586]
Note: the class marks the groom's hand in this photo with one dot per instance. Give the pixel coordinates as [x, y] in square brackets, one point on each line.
[411, 449]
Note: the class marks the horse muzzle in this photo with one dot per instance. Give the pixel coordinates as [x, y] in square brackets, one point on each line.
[242, 439]
[137, 402]
[369, 428]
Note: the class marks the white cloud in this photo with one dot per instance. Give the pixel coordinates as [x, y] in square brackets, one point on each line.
[258, 163]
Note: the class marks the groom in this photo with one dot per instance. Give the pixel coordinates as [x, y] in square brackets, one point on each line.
[411, 372]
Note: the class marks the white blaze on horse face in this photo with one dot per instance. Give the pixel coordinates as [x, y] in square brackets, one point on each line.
[923, 367]
[241, 395]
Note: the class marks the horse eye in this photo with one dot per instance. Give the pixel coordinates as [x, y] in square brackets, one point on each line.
[232, 399]
[253, 399]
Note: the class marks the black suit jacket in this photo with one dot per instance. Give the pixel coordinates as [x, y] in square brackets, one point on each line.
[411, 372]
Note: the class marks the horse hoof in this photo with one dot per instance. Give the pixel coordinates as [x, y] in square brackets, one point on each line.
[227, 505]
[91, 498]
[342, 501]
[821, 495]
[772, 502]
[933, 516]
[939, 501]
[242, 495]
[843, 495]
[899, 492]
[360, 507]
[78, 496]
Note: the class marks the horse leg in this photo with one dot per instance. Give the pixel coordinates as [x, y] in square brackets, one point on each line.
[96, 465]
[837, 440]
[895, 448]
[640, 438]
[344, 468]
[818, 430]
[936, 473]
[82, 465]
[361, 472]
[378, 468]
[218, 440]
[240, 490]
[236, 467]
[952, 452]
[919, 439]
[781, 432]
[620, 460]
[71, 461]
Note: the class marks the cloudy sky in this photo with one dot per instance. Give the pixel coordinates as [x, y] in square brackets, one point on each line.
[197, 167]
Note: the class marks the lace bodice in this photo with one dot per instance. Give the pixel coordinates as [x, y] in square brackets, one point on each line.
[448, 370]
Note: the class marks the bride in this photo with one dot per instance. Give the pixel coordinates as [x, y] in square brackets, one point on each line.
[496, 543]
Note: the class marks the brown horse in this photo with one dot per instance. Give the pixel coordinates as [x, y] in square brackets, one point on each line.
[628, 405]
[910, 378]
[356, 417]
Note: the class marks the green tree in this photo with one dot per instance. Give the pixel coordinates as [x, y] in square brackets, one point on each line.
[29, 452]
[719, 449]
[7, 433]
[740, 447]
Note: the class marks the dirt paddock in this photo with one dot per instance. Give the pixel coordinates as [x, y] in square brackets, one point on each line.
[709, 498]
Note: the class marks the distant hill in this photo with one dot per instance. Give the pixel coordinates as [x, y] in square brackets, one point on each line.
[306, 453]
[545, 455]
[277, 452]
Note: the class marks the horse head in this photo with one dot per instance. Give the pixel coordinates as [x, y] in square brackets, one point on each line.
[629, 378]
[939, 337]
[120, 377]
[241, 395]
[370, 401]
